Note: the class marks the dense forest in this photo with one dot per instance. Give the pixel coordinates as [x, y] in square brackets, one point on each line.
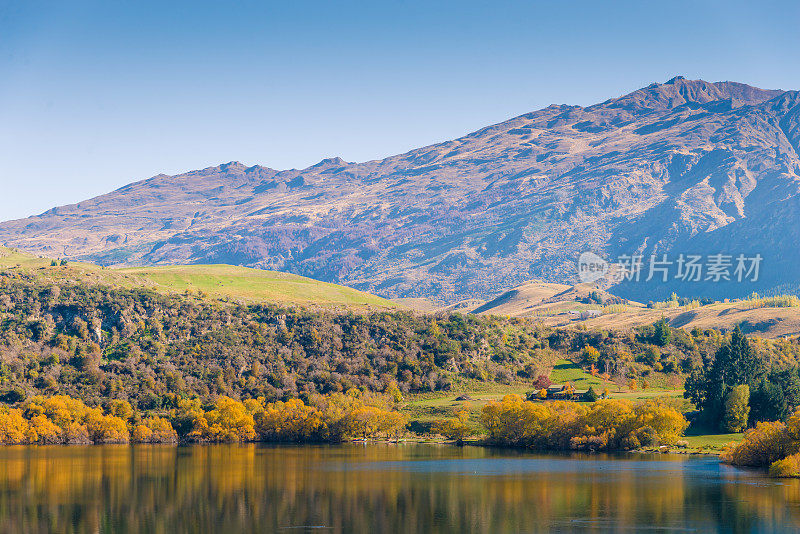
[95, 343]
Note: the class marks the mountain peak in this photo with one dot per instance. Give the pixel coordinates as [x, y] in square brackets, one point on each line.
[679, 90]
[233, 166]
[329, 162]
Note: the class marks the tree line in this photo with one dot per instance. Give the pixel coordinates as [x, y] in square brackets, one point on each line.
[739, 387]
[92, 342]
[329, 418]
[604, 425]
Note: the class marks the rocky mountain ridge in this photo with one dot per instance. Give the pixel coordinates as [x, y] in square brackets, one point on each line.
[674, 167]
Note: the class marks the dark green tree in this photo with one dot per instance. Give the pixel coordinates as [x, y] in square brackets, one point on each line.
[775, 397]
[735, 364]
[662, 334]
[766, 401]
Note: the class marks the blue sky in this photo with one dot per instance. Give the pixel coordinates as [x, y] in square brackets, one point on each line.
[94, 95]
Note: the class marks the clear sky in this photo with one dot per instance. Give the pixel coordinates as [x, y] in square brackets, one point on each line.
[95, 95]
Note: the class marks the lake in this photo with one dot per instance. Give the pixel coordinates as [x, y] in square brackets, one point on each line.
[376, 488]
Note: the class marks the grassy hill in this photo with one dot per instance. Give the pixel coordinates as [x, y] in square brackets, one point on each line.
[558, 305]
[215, 281]
[767, 322]
[521, 300]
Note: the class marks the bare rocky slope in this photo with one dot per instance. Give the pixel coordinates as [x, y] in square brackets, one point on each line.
[684, 166]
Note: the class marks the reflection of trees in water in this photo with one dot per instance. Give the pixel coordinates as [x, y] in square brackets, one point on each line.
[353, 488]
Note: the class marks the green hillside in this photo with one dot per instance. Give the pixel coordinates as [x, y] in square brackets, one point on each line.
[215, 281]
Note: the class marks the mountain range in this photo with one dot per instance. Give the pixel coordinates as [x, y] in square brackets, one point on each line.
[686, 166]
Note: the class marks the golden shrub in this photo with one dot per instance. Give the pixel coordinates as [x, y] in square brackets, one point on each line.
[762, 445]
[606, 425]
[229, 421]
[14, 429]
[785, 468]
[141, 434]
[120, 408]
[105, 428]
[76, 434]
[44, 431]
[289, 421]
[154, 430]
[455, 428]
[62, 410]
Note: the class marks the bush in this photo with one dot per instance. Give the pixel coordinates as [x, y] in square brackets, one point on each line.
[647, 436]
[604, 425]
[785, 468]
[455, 429]
[105, 428]
[762, 445]
[14, 429]
[229, 422]
[154, 430]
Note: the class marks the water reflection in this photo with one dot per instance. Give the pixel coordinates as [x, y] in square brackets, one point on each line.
[378, 488]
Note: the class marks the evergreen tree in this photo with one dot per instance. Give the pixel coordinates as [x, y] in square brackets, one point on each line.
[735, 364]
[775, 397]
[662, 334]
[590, 395]
[766, 402]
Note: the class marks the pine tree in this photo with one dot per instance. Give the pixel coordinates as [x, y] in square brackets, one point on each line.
[735, 364]
[662, 335]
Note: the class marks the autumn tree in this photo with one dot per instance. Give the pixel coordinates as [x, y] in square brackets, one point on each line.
[737, 409]
[590, 355]
[456, 428]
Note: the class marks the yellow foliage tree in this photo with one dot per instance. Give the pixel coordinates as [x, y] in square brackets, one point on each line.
[761, 446]
[456, 428]
[14, 429]
[606, 424]
[120, 408]
[44, 431]
[291, 421]
[229, 421]
[141, 434]
[787, 467]
[105, 428]
[391, 424]
[154, 430]
[590, 355]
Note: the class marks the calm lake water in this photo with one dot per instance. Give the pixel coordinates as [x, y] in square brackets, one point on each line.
[379, 488]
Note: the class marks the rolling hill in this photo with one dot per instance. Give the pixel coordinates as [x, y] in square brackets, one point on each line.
[685, 166]
[589, 307]
[517, 301]
[215, 281]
